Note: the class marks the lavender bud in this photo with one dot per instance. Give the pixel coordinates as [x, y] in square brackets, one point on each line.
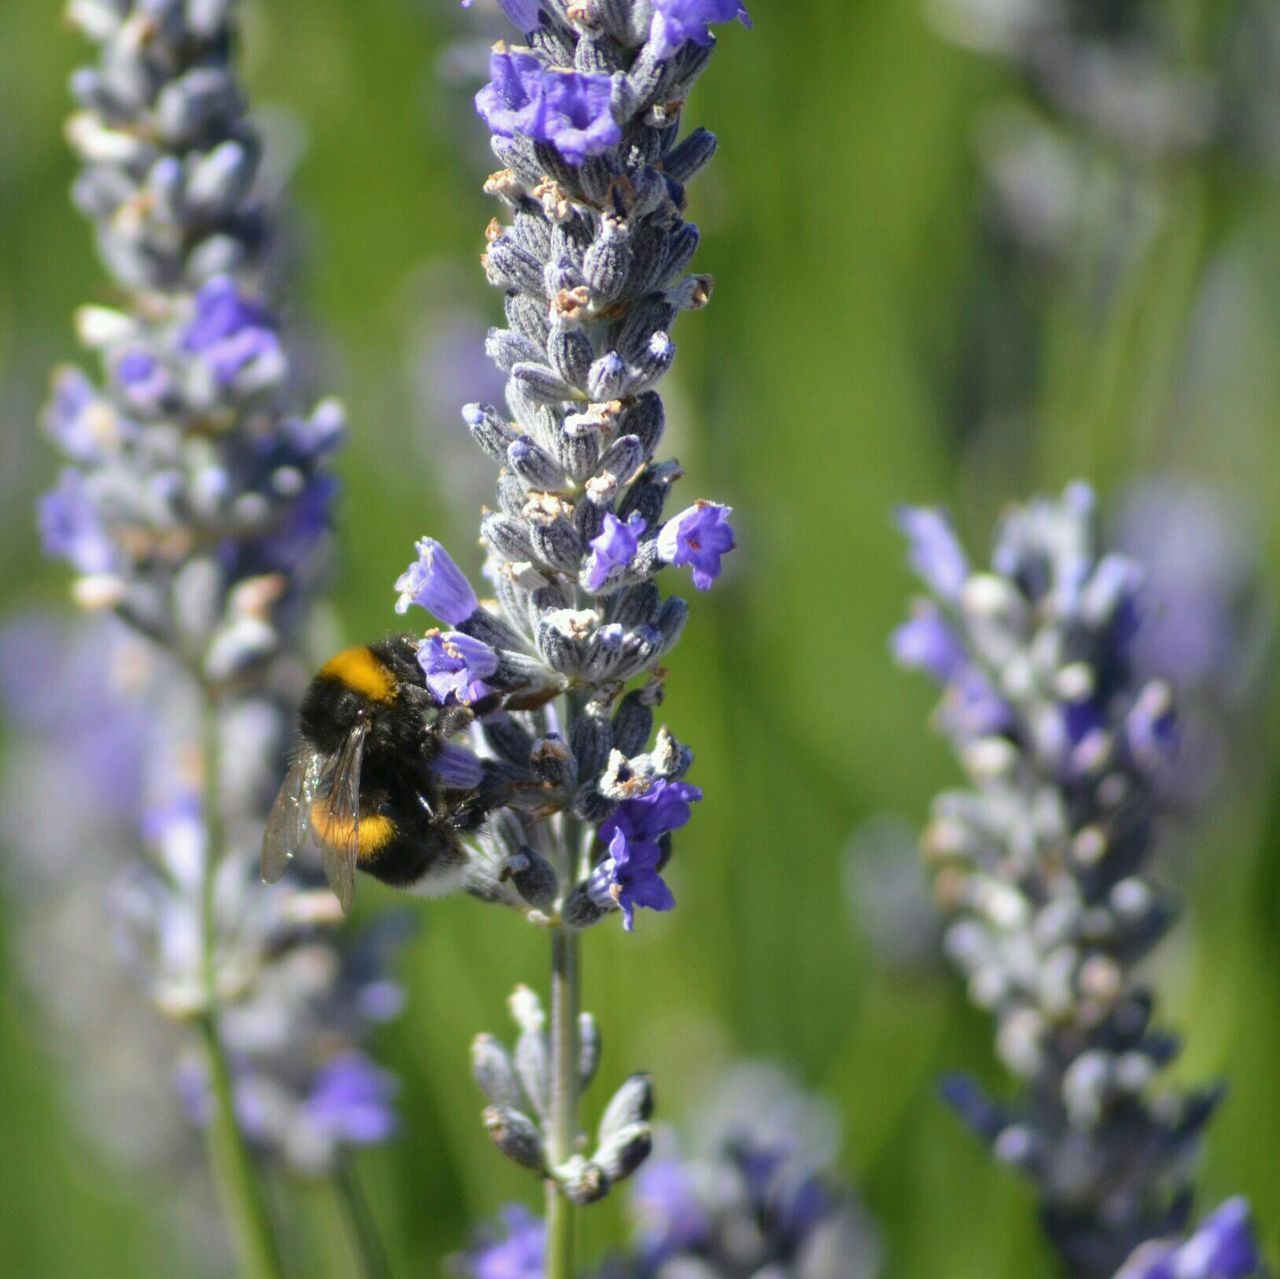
[507, 348]
[533, 1066]
[632, 1104]
[516, 1136]
[688, 158]
[493, 1071]
[582, 1182]
[534, 878]
[541, 385]
[589, 1050]
[624, 1151]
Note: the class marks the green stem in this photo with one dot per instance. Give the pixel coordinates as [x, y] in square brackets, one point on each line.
[361, 1225]
[564, 1096]
[239, 1190]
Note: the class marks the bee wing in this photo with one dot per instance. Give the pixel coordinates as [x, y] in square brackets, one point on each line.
[340, 819]
[290, 818]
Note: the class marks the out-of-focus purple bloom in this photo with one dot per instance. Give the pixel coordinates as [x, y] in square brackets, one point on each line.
[750, 1193]
[1064, 745]
[928, 643]
[1199, 567]
[614, 548]
[680, 22]
[143, 380]
[229, 329]
[699, 536]
[456, 667]
[351, 1101]
[670, 1217]
[1223, 1247]
[72, 529]
[935, 553]
[436, 583]
[519, 1254]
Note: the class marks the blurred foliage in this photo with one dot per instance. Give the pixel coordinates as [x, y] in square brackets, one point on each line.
[842, 220]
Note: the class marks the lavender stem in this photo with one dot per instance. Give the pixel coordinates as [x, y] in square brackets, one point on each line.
[239, 1190]
[565, 977]
[362, 1228]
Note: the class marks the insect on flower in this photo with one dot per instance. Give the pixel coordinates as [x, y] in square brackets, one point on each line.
[375, 782]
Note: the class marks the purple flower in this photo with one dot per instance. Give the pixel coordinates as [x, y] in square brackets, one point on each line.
[351, 1101]
[436, 583]
[82, 423]
[927, 642]
[229, 330]
[672, 1219]
[456, 666]
[576, 114]
[936, 555]
[1222, 1248]
[526, 14]
[509, 102]
[679, 22]
[142, 379]
[699, 536]
[614, 548]
[569, 110]
[630, 875]
[517, 1256]
[457, 768]
[648, 817]
[72, 528]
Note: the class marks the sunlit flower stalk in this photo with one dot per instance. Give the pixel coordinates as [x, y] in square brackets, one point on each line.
[1041, 864]
[592, 259]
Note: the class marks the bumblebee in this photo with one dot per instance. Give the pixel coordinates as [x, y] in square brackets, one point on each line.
[361, 784]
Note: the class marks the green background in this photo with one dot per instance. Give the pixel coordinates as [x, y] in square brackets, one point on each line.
[842, 221]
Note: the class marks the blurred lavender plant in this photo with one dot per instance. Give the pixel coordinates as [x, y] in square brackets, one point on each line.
[753, 1199]
[585, 121]
[1111, 162]
[1042, 865]
[1208, 627]
[195, 505]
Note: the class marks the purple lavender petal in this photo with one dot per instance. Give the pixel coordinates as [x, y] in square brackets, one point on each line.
[436, 583]
[351, 1101]
[455, 666]
[680, 22]
[699, 536]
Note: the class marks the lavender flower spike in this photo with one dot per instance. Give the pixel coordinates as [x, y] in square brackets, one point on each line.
[592, 257]
[195, 504]
[1042, 862]
[1222, 1247]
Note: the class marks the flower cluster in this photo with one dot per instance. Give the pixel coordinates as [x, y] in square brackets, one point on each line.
[194, 501]
[105, 767]
[753, 1196]
[1041, 863]
[195, 505]
[593, 264]
[518, 1085]
[1221, 1247]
